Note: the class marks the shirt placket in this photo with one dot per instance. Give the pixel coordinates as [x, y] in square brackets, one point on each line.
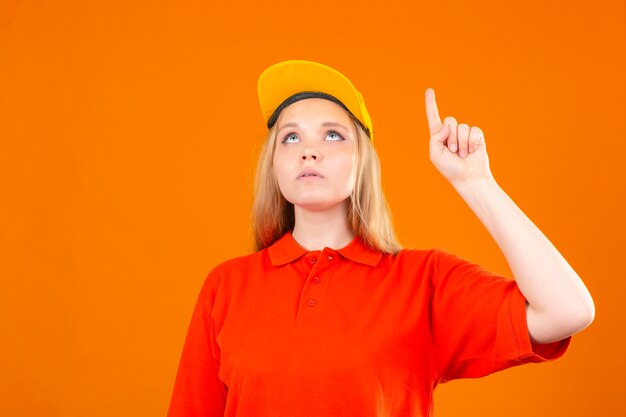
[313, 297]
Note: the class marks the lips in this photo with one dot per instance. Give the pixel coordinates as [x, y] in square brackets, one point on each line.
[309, 174]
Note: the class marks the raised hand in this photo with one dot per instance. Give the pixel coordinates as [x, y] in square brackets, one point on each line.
[458, 151]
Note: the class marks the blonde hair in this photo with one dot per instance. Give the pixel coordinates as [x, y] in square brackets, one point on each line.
[368, 214]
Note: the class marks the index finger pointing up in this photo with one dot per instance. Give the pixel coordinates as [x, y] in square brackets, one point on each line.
[432, 113]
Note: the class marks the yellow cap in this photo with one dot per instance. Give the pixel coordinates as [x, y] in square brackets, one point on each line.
[285, 79]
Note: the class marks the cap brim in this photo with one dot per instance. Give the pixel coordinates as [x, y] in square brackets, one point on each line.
[286, 78]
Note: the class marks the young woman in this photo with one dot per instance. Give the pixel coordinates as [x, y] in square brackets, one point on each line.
[330, 316]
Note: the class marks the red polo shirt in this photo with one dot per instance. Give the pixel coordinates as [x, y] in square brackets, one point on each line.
[348, 332]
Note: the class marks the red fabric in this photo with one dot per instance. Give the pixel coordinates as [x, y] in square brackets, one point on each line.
[348, 332]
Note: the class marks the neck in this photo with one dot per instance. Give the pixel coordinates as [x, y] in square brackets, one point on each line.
[315, 230]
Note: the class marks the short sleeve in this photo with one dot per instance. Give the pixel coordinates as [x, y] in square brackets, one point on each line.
[197, 389]
[478, 321]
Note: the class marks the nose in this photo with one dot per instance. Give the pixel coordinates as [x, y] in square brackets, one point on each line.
[310, 154]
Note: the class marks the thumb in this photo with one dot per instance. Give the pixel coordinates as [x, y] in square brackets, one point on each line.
[438, 138]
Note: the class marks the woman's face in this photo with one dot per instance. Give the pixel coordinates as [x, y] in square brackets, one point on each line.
[315, 156]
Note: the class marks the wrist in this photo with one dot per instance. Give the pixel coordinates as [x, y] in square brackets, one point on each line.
[474, 185]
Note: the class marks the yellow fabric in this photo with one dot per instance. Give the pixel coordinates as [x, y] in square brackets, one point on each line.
[286, 78]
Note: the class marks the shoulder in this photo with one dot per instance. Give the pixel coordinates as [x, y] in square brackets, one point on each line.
[434, 263]
[238, 263]
[412, 263]
[431, 257]
[439, 257]
[225, 273]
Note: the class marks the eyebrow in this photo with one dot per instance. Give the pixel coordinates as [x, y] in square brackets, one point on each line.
[325, 124]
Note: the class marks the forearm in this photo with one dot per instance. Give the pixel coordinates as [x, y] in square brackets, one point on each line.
[559, 303]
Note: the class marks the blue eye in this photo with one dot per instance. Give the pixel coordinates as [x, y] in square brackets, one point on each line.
[291, 138]
[336, 136]
[331, 136]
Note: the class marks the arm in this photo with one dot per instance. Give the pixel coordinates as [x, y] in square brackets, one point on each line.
[559, 304]
[198, 391]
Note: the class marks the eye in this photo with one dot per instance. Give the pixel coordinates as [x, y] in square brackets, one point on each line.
[291, 138]
[334, 136]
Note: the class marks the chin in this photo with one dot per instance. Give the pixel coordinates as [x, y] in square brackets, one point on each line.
[317, 204]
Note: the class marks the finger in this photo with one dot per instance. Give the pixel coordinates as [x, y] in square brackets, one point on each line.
[432, 113]
[463, 138]
[476, 138]
[438, 139]
[453, 145]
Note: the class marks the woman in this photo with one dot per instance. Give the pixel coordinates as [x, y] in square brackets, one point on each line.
[330, 317]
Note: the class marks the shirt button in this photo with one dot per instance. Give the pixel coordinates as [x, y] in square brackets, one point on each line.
[311, 302]
[316, 279]
[312, 260]
[330, 257]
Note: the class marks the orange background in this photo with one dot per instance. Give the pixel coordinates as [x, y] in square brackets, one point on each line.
[129, 132]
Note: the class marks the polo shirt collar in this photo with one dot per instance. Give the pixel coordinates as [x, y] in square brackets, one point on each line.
[287, 249]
